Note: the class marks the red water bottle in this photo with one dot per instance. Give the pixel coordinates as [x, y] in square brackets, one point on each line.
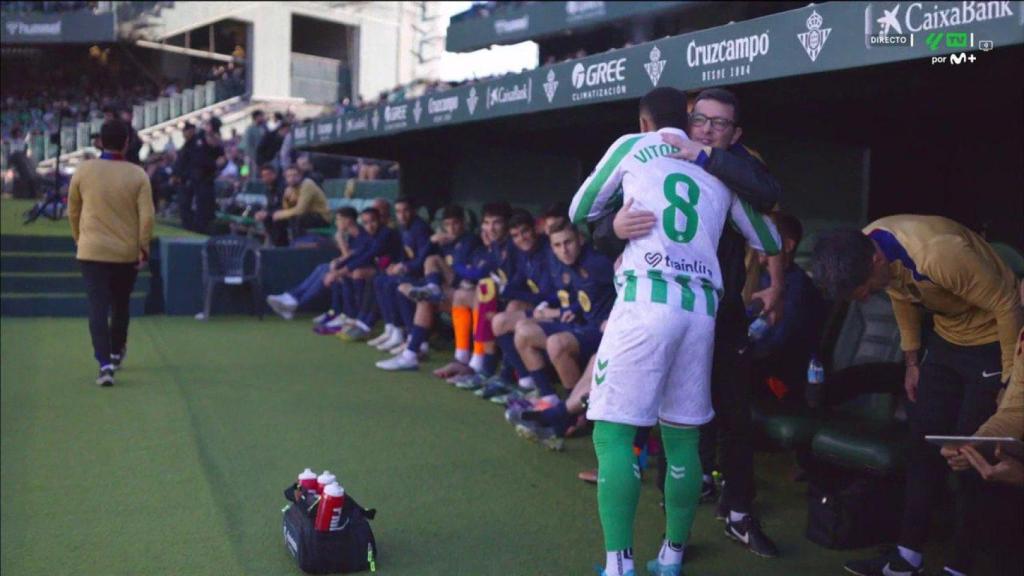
[307, 480]
[328, 515]
[324, 480]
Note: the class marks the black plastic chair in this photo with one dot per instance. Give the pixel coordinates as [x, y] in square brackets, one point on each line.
[233, 261]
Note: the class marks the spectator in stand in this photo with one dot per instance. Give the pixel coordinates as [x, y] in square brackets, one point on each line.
[286, 156]
[231, 171]
[253, 135]
[207, 160]
[270, 145]
[158, 169]
[274, 186]
[367, 169]
[305, 165]
[304, 206]
[182, 175]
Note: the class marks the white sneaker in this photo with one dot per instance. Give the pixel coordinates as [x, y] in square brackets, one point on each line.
[337, 322]
[274, 301]
[396, 338]
[380, 337]
[279, 307]
[288, 301]
[424, 351]
[322, 318]
[399, 362]
[397, 349]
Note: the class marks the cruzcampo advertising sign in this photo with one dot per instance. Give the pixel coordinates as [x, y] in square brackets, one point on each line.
[810, 40]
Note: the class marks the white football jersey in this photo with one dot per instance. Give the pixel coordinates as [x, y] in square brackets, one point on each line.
[679, 257]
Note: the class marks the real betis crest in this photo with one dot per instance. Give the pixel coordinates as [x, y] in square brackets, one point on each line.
[814, 39]
[656, 66]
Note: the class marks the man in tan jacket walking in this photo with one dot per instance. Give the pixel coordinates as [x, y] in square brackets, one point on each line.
[110, 206]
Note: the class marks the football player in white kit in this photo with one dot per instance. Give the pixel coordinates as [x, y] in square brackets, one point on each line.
[654, 362]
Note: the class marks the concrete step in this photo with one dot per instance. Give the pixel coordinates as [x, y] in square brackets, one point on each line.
[13, 243]
[54, 283]
[61, 305]
[38, 262]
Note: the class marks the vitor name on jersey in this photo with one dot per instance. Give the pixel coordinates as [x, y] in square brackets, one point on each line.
[654, 151]
[697, 268]
[441, 109]
[599, 80]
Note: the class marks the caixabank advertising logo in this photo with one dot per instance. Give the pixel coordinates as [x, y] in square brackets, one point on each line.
[899, 23]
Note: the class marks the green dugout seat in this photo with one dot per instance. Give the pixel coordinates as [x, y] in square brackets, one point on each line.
[864, 433]
[867, 334]
[785, 427]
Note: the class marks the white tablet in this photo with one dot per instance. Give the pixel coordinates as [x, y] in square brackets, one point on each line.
[1010, 446]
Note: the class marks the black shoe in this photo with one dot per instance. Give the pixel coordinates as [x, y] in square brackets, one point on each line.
[748, 532]
[888, 564]
[106, 378]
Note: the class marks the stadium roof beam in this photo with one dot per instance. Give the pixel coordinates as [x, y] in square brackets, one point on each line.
[188, 51]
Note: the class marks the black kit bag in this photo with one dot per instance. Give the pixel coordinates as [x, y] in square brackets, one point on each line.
[349, 549]
[850, 510]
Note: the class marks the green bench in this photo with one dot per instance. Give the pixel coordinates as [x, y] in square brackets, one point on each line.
[861, 433]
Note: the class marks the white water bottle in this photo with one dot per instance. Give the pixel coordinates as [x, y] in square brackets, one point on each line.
[324, 480]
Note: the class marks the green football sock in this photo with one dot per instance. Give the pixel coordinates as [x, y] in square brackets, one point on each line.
[682, 482]
[618, 483]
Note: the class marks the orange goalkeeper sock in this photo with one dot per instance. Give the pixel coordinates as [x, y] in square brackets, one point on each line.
[462, 322]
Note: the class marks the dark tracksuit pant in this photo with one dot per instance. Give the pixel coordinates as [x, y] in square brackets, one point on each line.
[730, 397]
[956, 393]
[109, 288]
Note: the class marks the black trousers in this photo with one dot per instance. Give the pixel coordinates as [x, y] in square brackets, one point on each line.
[109, 288]
[730, 397]
[186, 195]
[956, 393]
[206, 205]
[278, 231]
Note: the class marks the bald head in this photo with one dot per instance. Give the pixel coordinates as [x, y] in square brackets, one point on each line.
[383, 208]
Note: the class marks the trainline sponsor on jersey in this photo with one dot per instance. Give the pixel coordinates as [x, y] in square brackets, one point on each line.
[746, 48]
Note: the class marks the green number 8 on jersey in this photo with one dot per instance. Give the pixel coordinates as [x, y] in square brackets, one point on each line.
[677, 204]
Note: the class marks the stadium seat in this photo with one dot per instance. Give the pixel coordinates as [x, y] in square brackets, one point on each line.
[864, 433]
[868, 335]
[1010, 255]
